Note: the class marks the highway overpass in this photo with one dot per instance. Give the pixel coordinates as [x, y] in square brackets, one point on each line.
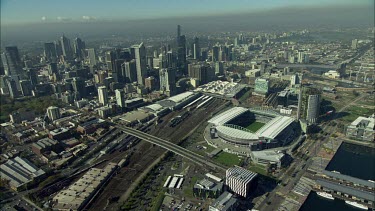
[194, 157]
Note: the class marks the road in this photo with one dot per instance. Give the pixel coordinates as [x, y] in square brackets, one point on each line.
[196, 158]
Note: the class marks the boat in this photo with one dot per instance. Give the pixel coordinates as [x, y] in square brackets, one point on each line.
[355, 204]
[325, 195]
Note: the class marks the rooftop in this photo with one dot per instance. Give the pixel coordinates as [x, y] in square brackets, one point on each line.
[224, 202]
[349, 179]
[228, 115]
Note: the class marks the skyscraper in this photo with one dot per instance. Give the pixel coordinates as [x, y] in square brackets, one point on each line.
[53, 113]
[11, 61]
[79, 86]
[181, 55]
[310, 104]
[196, 49]
[91, 55]
[12, 87]
[102, 95]
[129, 69]
[26, 87]
[79, 47]
[140, 61]
[178, 33]
[167, 81]
[354, 44]
[50, 52]
[215, 53]
[66, 48]
[120, 97]
[110, 59]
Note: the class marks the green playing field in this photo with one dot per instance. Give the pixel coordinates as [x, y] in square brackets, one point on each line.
[253, 127]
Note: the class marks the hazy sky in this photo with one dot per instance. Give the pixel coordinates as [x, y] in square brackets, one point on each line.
[34, 11]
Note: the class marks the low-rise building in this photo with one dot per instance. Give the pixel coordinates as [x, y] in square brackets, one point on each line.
[44, 145]
[207, 188]
[20, 172]
[240, 180]
[59, 134]
[268, 157]
[362, 129]
[225, 202]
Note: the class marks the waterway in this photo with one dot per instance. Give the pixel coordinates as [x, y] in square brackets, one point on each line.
[350, 159]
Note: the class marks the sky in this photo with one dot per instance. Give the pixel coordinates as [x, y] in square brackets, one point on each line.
[39, 11]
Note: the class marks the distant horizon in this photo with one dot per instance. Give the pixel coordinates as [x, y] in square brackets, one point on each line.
[17, 12]
[285, 18]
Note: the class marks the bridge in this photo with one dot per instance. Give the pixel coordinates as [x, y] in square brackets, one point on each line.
[309, 66]
[194, 157]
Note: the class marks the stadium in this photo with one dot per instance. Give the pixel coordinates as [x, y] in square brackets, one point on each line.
[257, 129]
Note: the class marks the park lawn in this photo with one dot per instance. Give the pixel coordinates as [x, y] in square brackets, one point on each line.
[255, 126]
[356, 111]
[227, 159]
[188, 191]
[258, 169]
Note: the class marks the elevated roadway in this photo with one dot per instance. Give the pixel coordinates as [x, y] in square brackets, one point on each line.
[196, 158]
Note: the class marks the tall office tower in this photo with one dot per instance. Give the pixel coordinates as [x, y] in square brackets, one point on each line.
[150, 62]
[171, 60]
[150, 83]
[240, 180]
[66, 48]
[50, 52]
[215, 53]
[120, 97]
[167, 78]
[52, 68]
[110, 59]
[310, 104]
[79, 47]
[53, 113]
[32, 76]
[181, 55]
[163, 61]
[79, 86]
[294, 80]
[196, 49]
[201, 71]
[178, 34]
[354, 44]
[262, 86]
[58, 48]
[12, 87]
[219, 68]
[303, 57]
[236, 43]
[26, 87]
[129, 70]
[103, 95]
[91, 56]
[117, 73]
[140, 61]
[11, 61]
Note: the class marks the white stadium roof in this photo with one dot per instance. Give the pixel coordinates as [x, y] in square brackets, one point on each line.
[228, 115]
[274, 127]
[181, 97]
[236, 133]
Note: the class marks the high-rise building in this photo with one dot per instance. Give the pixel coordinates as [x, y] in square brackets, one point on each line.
[294, 80]
[79, 47]
[50, 52]
[261, 86]
[120, 97]
[310, 104]
[167, 78]
[79, 86]
[12, 87]
[219, 68]
[196, 49]
[201, 71]
[215, 53]
[26, 87]
[110, 57]
[140, 61]
[178, 33]
[150, 83]
[240, 180]
[354, 44]
[32, 76]
[103, 95]
[129, 69]
[181, 54]
[11, 61]
[163, 62]
[91, 55]
[66, 48]
[53, 113]
[58, 48]
[52, 68]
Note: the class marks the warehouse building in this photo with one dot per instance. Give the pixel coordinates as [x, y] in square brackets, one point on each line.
[76, 196]
[20, 173]
[361, 129]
